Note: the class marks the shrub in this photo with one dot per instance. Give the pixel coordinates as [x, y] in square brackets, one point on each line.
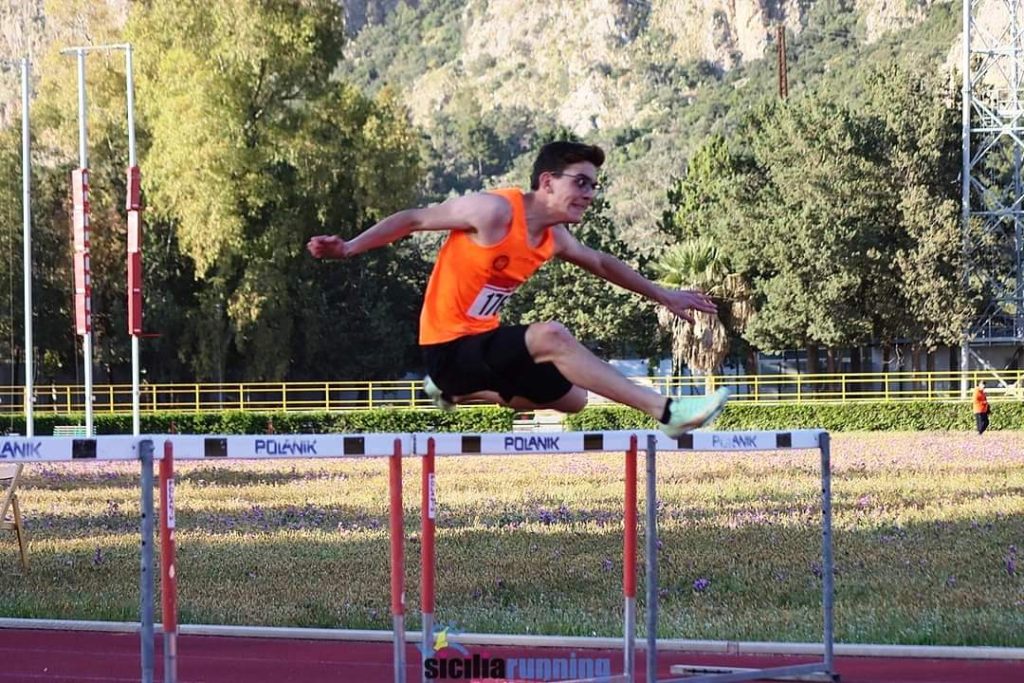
[848, 417]
[474, 419]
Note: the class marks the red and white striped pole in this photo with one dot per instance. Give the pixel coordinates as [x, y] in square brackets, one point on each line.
[133, 204]
[397, 562]
[134, 258]
[428, 513]
[168, 575]
[629, 564]
[83, 276]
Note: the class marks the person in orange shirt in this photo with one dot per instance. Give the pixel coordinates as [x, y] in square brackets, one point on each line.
[497, 239]
[981, 408]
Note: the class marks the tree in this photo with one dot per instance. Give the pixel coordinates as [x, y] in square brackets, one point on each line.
[697, 263]
[815, 234]
[919, 134]
[697, 198]
[251, 150]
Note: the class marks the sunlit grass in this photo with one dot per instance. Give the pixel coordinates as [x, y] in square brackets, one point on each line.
[927, 530]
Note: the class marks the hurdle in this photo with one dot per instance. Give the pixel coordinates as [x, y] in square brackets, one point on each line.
[554, 443]
[193, 447]
[29, 449]
[285, 446]
[426, 447]
[562, 443]
[806, 439]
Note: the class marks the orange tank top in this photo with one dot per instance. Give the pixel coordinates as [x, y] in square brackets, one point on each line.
[980, 401]
[470, 284]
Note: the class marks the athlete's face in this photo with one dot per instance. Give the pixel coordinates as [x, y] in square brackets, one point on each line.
[571, 191]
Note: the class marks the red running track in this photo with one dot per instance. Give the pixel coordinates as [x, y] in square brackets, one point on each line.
[31, 656]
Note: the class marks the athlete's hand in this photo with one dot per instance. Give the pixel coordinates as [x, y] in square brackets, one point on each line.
[328, 246]
[682, 301]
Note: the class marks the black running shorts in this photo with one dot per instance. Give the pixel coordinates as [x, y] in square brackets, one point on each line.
[497, 360]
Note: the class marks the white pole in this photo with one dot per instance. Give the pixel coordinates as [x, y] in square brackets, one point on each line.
[965, 186]
[26, 240]
[136, 393]
[83, 162]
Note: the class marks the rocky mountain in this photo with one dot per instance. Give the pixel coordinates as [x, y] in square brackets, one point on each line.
[648, 78]
[587, 61]
[575, 58]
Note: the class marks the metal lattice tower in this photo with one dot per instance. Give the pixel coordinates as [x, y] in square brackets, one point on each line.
[993, 155]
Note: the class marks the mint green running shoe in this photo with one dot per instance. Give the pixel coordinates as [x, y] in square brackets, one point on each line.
[435, 395]
[692, 412]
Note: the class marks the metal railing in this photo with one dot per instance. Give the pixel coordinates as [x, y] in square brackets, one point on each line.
[361, 395]
[853, 387]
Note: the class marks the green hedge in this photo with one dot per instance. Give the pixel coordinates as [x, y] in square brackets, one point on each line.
[909, 416]
[850, 417]
[475, 419]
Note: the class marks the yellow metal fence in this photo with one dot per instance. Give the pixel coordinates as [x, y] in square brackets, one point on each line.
[335, 396]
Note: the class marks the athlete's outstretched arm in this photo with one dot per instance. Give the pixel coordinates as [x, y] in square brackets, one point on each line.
[479, 212]
[614, 270]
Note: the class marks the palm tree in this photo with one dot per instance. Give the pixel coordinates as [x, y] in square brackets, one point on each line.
[698, 264]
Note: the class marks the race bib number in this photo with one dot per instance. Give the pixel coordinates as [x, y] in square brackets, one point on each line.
[490, 301]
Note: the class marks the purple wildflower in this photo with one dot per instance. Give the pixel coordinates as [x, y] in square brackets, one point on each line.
[564, 514]
[701, 585]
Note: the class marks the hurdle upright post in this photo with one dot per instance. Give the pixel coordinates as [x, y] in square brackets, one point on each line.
[428, 513]
[146, 561]
[629, 565]
[651, 656]
[828, 573]
[168, 574]
[397, 562]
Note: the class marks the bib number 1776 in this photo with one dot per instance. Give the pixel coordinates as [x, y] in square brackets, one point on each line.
[490, 301]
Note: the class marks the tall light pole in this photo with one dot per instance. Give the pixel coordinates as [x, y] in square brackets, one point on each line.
[26, 236]
[992, 178]
[26, 242]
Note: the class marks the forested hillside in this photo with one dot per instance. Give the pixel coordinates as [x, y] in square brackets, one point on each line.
[648, 80]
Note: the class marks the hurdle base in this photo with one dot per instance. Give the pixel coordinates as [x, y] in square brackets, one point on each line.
[702, 673]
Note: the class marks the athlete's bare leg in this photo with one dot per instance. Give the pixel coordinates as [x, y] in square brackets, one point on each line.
[552, 342]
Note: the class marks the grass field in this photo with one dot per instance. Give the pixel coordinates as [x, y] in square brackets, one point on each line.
[928, 529]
